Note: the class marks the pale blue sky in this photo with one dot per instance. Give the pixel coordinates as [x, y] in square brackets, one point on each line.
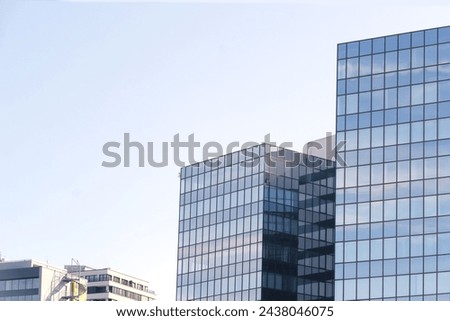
[74, 76]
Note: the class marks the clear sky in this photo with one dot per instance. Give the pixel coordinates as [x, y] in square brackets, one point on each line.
[75, 75]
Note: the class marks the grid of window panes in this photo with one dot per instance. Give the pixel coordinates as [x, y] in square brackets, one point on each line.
[298, 259]
[220, 228]
[280, 228]
[316, 231]
[393, 197]
[26, 289]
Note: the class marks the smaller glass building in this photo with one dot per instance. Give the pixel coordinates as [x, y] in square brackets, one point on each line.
[257, 224]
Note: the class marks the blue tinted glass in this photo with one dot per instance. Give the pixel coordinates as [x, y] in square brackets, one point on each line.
[391, 98]
[352, 103]
[444, 147]
[417, 264]
[417, 76]
[444, 90]
[363, 231]
[350, 270]
[363, 194]
[364, 120]
[377, 99]
[417, 94]
[376, 267]
[444, 205]
[365, 47]
[444, 72]
[390, 135]
[340, 123]
[378, 63]
[390, 267]
[444, 224]
[350, 232]
[391, 79]
[430, 74]
[365, 83]
[430, 55]
[390, 117]
[404, 77]
[416, 113]
[403, 251]
[390, 191]
[444, 53]
[364, 138]
[417, 38]
[342, 51]
[350, 158]
[444, 248]
[341, 66]
[364, 102]
[365, 65]
[377, 157]
[430, 92]
[430, 149]
[390, 153]
[352, 85]
[430, 111]
[430, 264]
[377, 118]
[416, 188]
[404, 59]
[378, 81]
[339, 268]
[364, 156]
[403, 115]
[352, 122]
[352, 49]
[363, 251]
[350, 251]
[339, 234]
[341, 87]
[403, 227]
[403, 152]
[403, 264]
[404, 41]
[444, 109]
[430, 223]
[377, 136]
[444, 128]
[390, 229]
[340, 105]
[404, 96]
[378, 45]
[444, 34]
[363, 269]
[430, 37]
[352, 67]
[391, 43]
[430, 169]
[430, 189]
[417, 150]
[417, 57]
[444, 263]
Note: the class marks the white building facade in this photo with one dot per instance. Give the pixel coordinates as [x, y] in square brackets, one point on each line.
[31, 280]
[108, 285]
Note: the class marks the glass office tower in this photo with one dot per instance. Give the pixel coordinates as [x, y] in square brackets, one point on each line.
[257, 224]
[393, 194]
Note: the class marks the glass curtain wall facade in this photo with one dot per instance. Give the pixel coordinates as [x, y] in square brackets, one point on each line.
[393, 195]
[248, 229]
